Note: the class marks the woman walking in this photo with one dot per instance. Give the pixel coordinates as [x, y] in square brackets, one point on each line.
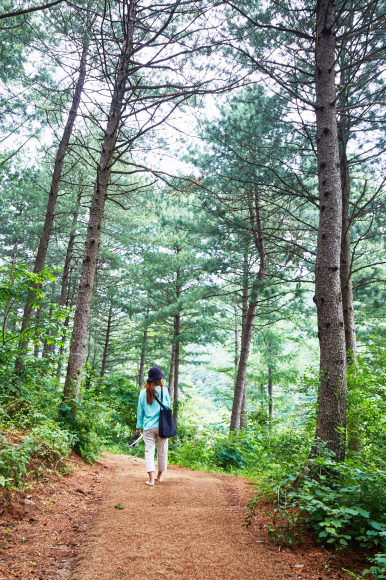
[148, 419]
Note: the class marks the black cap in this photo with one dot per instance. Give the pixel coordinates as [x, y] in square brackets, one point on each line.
[155, 375]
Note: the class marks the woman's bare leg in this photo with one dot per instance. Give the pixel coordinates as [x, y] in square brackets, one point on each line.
[159, 476]
[151, 478]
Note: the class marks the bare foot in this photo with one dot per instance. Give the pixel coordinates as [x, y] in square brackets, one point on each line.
[148, 483]
[159, 478]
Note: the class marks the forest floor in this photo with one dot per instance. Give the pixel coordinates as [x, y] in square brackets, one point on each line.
[188, 527]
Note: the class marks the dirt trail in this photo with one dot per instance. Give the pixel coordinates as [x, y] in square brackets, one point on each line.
[183, 528]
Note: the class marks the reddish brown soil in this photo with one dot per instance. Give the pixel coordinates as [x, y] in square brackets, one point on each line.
[42, 526]
[190, 527]
[184, 528]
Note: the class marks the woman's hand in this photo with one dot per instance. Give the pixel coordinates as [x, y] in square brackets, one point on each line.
[138, 432]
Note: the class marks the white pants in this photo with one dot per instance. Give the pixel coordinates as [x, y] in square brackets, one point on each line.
[149, 437]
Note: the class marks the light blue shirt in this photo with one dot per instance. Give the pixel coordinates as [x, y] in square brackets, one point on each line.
[148, 415]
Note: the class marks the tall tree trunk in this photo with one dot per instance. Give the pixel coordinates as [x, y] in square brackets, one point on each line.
[107, 343]
[72, 387]
[243, 362]
[53, 195]
[270, 381]
[38, 316]
[177, 321]
[262, 395]
[353, 430]
[345, 254]
[257, 232]
[176, 366]
[270, 393]
[243, 410]
[61, 351]
[67, 261]
[237, 341]
[332, 392]
[68, 302]
[243, 327]
[8, 302]
[142, 360]
[171, 373]
[46, 349]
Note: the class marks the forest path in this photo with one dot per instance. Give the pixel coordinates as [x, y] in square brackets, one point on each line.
[184, 528]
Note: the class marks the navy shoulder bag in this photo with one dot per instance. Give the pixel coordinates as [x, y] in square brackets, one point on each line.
[167, 427]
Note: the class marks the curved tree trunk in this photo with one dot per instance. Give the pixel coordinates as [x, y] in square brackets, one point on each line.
[332, 393]
[46, 346]
[177, 323]
[171, 373]
[345, 255]
[8, 302]
[353, 430]
[72, 386]
[177, 320]
[244, 310]
[142, 359]
[67, 261]
[237, 341]
[70, 303]
[257, 231]
[38, 316]
[53, 196]
[107, 343]
[270, 393]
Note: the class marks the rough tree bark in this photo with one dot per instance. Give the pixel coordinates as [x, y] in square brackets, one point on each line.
[72, 386]
[142, 359]
[177, 322]
[243, 409]
[38, 316]
[53, 195]
[262, 395]
[7, 308]
[332, 390]
[67, 261]
[345, 255]
[46, 346]
[107, 343]
[270, 393]
[237, 341]
[69, 252]
[244, 309]
[171, 373]
[246, 338]
[353, 430]
[68, 302]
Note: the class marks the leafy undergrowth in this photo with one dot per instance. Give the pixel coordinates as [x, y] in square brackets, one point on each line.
[341, 507]
[32, 454]
[298, 545]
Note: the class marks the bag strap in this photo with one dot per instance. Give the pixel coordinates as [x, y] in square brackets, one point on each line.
[160, 401]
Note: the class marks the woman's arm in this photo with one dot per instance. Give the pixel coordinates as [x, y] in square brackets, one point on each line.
[140, 415]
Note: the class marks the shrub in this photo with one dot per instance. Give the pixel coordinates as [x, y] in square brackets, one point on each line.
[348, 505]
[48, 442]
[228, 454]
